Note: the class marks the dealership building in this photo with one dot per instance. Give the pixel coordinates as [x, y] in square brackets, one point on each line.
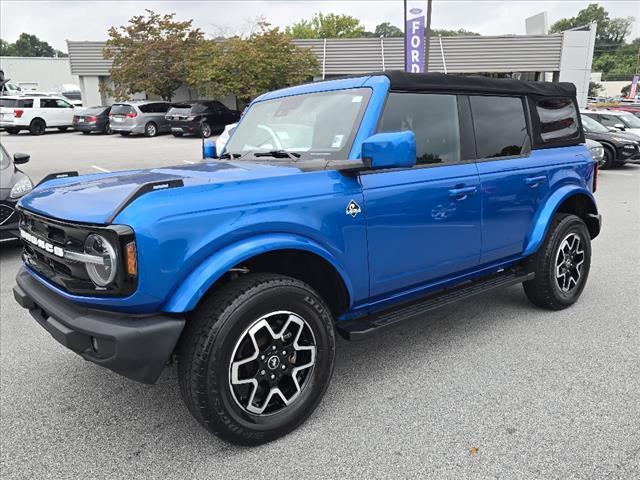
[564, 57]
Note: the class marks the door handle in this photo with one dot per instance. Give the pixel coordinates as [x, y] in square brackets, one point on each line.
[535, 181]
[462, 193]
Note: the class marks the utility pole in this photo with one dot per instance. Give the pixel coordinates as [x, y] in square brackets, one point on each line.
[427, 37]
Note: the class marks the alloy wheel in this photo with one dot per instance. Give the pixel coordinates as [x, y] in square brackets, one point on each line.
[569, 261]
[272, 363]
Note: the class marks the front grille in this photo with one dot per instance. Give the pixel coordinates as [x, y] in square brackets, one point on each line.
[6, 212]
[70, 275]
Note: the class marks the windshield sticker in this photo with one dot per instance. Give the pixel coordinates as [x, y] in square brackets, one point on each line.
[337, 141]
[356, 99]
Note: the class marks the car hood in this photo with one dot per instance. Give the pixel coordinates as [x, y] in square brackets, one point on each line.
[98, 198]
[613, 137]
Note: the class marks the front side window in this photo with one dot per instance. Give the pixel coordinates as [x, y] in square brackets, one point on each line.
[312, 126]
[433, 118]
[629, 120]
[558, 119]
[63, 104]
[500, 126]
[48, 103]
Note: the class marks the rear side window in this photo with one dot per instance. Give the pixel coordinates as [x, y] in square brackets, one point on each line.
[24, 103]
[500, 126]
[8, 102]
[558, 119]
[147, 108]
[121, 109]
[433, 118]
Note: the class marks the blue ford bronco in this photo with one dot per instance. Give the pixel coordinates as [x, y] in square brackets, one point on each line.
[345, 206]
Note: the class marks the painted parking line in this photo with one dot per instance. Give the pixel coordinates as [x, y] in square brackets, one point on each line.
[187, 161]
[622, 174]
[101, 169]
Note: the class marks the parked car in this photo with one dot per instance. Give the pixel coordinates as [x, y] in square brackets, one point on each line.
[201, 117]
[222, 140]
[616, 119]
[347, 206]
[94, 119]
[14, 183]
[140, 117]
[632, 108]
[619, 147]
[597, 151]
[35, 113]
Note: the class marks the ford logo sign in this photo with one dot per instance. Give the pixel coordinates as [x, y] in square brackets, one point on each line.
[415, 11]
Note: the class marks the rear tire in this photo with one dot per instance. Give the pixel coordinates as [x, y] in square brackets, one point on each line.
[226, 342]
[13, 131]
[37, 126]
[205, 130]
[108, 130]
[151, 129]
[561, 265]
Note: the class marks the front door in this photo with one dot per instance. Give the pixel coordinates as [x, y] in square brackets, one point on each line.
[423, 223]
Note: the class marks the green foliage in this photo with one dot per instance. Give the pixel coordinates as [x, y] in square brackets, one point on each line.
[594, 88]
[266, 60]
[28, 45]
[386, 30]
[149, 54]
[327, 26]
[611, 56]
[624, 91]
[461, 32]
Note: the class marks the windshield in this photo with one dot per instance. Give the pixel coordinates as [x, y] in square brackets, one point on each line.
[314, 125]
[4, 158]
[630, 121]
[591, 125]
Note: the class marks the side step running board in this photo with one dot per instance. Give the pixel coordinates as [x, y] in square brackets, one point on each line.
[364, 326]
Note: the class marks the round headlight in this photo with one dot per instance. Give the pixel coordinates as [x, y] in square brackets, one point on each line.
[101, 275]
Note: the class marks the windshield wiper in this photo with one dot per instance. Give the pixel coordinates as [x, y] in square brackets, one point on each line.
[229, 155]
[278, 154]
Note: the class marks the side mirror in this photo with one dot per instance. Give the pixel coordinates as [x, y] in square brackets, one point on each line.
[619, 126]
[20, 158]
[389, 150]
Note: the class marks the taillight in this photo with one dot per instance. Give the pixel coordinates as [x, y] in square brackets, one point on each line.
[132, 115]
[92, 119]
[595, 177]
[18, 113]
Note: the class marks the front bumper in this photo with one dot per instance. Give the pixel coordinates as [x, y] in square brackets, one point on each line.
[8, 221]
[135, 346]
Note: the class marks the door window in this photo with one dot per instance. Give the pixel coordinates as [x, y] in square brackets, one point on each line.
[500, 126]
[62, 104]
[434, 120]
[48, 103]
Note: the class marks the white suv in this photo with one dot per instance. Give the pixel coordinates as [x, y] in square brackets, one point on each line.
[35, 113]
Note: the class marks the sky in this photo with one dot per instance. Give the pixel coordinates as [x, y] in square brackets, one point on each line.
[58, 21]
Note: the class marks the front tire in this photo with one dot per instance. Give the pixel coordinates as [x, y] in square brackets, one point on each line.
[609, 158]
[561, 265]
[256, 358]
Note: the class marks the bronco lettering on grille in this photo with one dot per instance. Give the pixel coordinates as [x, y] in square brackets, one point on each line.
[40, 243]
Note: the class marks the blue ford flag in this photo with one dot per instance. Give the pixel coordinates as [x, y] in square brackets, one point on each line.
[414, 35]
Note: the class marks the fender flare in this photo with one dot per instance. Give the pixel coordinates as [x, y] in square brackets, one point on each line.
[191, 290]
[548, 210]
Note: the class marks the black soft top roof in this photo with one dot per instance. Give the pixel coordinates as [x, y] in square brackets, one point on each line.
[427, 82]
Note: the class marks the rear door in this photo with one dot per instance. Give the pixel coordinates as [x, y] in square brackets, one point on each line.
[513, 183]
[50, 112]
[423, 223]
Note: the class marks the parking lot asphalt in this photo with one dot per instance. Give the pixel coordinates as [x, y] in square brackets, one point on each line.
[488, 388]
[72, 151]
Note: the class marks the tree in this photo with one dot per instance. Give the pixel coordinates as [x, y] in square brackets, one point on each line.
[624, 91]
[461, 32]
[610, 32]
[386, 30]
[594, 88]
[266, 60]
[327, 26]
[149, 54]
[28, 45]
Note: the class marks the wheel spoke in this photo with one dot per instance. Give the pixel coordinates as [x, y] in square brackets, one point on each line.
[277, 376]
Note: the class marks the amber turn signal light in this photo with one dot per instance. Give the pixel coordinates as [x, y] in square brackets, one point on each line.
[132, 263]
